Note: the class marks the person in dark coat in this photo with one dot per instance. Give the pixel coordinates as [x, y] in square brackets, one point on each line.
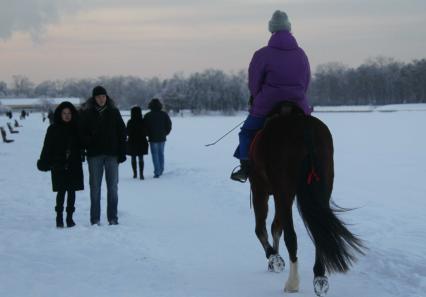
[61, 154]
[23, 114]
[50, 116]
[137, 145]
[103, 134]
[158, 126]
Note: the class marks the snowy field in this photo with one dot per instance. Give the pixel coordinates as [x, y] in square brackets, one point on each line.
[191, 232]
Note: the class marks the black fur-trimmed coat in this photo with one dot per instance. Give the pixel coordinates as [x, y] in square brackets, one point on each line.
[61, 153]
[137, 144]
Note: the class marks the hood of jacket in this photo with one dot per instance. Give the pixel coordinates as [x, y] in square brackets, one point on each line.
[283, 40]
[57, 118]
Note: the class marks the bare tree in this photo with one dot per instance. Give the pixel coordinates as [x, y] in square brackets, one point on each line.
[3, 89]
[22, 86]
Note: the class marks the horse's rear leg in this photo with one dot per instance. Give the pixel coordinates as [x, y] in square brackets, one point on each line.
[284, 209]
[260, 205]
[320, 280]
[276, 263]
[276, 231]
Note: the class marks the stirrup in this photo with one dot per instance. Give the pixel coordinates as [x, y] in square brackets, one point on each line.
[233, 177]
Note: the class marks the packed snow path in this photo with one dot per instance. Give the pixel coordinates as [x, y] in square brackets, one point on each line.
[191, 232]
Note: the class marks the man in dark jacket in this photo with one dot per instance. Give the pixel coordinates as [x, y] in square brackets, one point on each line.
[103, 135]
[158, 125]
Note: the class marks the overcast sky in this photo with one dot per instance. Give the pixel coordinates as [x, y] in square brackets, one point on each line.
[57, 39]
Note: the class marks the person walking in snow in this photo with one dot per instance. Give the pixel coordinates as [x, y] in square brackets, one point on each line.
[61, 154]
[277, 72]
[158, 126]
[50, 116]
[137, 145]
[103, 134]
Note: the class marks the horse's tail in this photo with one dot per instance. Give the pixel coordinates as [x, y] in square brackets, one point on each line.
[335, 244]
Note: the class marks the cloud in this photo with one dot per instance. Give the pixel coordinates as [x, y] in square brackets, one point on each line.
[33, 16]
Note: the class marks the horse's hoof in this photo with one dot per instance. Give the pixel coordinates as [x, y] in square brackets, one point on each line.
[276, 263]
[321, 286]
[289, 290]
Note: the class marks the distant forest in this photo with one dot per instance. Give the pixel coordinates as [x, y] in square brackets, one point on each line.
[379, 81]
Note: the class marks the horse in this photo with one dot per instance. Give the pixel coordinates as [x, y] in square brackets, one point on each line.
[292, 156]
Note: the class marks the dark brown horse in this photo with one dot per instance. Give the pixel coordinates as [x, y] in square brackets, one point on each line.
[293, 157]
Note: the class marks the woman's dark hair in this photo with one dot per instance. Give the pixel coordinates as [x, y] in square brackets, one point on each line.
[155, 105]
[135, 113]
[57, 118]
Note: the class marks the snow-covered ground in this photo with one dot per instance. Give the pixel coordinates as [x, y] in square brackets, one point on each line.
[370, 108]
[191, 232]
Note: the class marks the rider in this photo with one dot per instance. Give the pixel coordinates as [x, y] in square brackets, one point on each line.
[278, 72]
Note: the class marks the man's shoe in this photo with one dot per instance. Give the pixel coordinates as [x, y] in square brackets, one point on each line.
[113, 222]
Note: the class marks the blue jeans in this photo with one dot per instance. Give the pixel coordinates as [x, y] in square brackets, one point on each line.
[97, 165]
[157, 152]
[246, 135]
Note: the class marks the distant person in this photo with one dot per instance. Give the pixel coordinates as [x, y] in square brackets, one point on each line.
[104, 137]
[61, 154]
[23, 114]
[4, 136]
[11, 130]
[278, 72]
[137, 145]
[50, 116]
[9, 114]
[158, 125]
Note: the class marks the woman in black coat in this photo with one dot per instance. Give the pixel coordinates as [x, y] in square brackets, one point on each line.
[137, 145]
[61, 154]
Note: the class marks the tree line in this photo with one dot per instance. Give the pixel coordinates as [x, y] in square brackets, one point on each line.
[379, 81]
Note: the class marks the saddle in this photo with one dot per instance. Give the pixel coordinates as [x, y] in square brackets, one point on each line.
[285, 108]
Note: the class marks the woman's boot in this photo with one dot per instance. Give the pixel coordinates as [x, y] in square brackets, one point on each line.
[69, 220]
[134, 168]
[59, 217]
[141, 166]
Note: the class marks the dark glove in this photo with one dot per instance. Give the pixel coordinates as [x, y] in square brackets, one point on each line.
[121, 158]
[83, 155]
[251, 99]
[42, 166]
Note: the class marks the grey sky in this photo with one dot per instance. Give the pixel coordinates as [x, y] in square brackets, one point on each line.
[57, 39]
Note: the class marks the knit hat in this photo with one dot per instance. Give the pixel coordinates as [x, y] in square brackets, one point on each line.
[98, 90]
[279, 22]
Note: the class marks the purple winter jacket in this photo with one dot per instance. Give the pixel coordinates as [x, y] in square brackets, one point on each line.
[279, 72]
